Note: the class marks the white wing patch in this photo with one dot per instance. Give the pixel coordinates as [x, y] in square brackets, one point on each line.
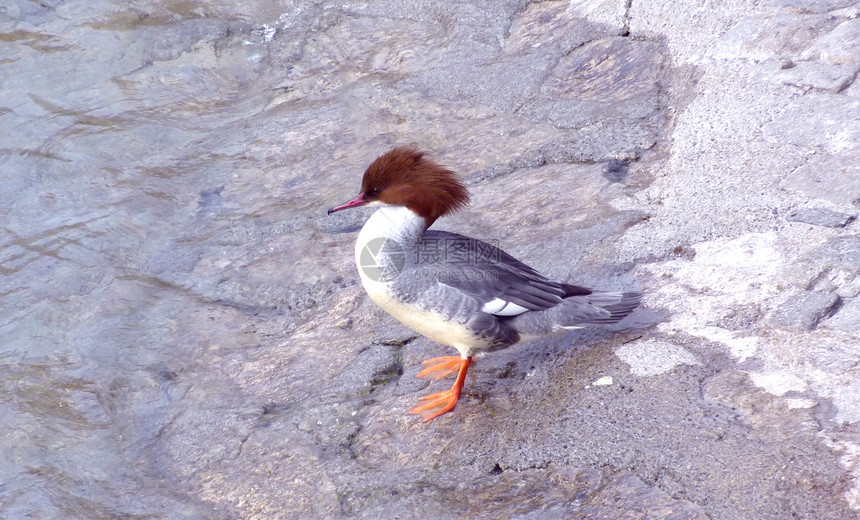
[500, 307]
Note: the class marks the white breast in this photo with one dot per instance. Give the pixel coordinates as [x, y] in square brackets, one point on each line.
[426, 323]
[403, 226]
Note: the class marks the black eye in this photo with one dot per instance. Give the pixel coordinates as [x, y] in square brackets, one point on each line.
[373, 192]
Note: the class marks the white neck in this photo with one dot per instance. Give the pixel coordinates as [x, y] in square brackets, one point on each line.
[395, 222]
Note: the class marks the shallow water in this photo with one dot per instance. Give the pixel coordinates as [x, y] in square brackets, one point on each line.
[165, 168]
[121, 126]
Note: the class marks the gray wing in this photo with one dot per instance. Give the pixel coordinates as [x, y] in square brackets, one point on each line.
[500, 283]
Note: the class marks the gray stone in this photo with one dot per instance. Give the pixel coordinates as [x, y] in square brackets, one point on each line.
[853, 90]
[820, 217]
[839, 46]
[821, 6]
[834, 178]
[807, 75]
[616, 77]
[805, 310]
[371, 368]
[783, 36]
[837, 132]
[848, 317]
[832, 267]
[627, 488]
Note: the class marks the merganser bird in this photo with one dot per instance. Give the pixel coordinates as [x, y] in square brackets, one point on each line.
[456, 290]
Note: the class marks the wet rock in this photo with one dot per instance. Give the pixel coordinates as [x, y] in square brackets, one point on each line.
[373, 367]
[342, 222]
[624, 489]
[805, 310]
[615, 171]
[820, 217]
[652, 357]
[617, 76]
[769, 416]
[556, 492]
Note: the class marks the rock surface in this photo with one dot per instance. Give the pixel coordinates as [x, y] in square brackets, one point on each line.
[186, 337]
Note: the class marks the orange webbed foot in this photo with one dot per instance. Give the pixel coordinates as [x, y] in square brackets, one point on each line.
[438, 404]
[439, 367]
[441, 402]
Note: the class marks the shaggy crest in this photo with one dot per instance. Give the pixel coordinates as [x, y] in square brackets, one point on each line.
[405, 177]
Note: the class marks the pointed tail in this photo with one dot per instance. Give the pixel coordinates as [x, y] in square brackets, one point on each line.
[575, 311]
[619, 305]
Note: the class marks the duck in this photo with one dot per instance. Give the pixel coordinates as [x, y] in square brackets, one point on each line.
[456, 290]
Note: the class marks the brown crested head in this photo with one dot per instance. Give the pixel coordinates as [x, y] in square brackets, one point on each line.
[405, 177]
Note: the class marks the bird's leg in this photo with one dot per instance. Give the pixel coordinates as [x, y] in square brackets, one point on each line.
[443, 401]
[439, 367]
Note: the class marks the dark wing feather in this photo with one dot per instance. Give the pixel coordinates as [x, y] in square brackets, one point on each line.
[487, 273]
